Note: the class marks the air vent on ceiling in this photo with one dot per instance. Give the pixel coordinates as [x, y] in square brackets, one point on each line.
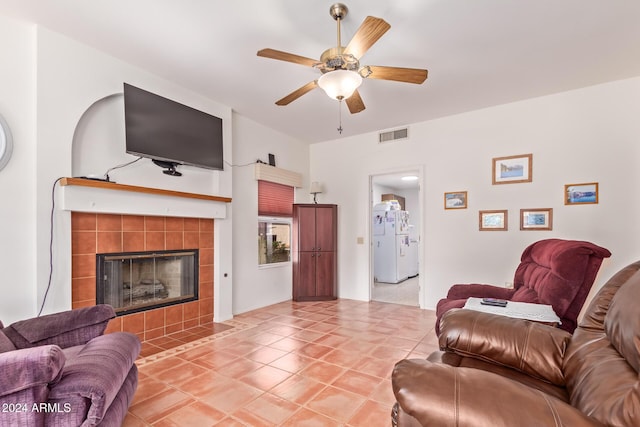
[393, 135]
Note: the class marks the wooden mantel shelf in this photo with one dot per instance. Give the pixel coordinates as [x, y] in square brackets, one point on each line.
[83, 182]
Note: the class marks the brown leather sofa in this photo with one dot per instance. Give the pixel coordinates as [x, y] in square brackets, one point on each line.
[498, 371]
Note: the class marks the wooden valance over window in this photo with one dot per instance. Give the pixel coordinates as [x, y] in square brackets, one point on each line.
[281, 176]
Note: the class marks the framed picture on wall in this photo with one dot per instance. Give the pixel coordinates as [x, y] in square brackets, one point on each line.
[496, 220]
[536, 219]
[455, 200]
[512, 169]
[581, 194]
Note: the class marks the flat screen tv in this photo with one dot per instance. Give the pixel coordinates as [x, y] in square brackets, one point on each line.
[171, 133]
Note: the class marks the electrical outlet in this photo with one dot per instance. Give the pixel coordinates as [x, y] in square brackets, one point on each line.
[508, 285]
[360, 240]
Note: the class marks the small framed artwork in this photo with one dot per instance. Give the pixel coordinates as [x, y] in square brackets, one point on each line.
[493, 220]
[455, 200]
[512, 169]
[536, 219]
[581, 194]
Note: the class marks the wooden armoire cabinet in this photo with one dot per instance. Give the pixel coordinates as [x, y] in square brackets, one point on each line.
[314, 251]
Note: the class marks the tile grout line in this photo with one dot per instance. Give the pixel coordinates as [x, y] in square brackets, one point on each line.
[237, 327]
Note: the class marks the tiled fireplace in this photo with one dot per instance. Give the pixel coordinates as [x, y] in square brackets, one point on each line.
[138, 281]
[97, 233]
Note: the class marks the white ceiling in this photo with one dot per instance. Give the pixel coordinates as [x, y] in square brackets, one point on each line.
[479, 53]
[395, 181]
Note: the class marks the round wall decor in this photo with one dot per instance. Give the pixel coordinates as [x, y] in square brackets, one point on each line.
[6, 143]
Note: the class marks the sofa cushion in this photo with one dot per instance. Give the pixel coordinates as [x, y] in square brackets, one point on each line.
[95, 374]
[525, 294]
[529, 347]
[561, 272]
[436, 394]
[622, 323]
[5, 343]
[64, 329]
[550, 280]
[31, 367]
[600, 366]
[456, 360]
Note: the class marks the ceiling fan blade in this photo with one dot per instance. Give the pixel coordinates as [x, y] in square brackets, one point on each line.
[297, 93]
[406, 75]
[369, 32]
[284, 56]
[355, 104]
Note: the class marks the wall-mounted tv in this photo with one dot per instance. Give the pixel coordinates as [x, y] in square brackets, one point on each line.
[170, 132]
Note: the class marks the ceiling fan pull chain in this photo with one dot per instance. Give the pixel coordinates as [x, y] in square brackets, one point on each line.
[340, 116]
[339, 38]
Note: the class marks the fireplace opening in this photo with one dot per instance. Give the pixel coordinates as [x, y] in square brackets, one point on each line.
[138, 281]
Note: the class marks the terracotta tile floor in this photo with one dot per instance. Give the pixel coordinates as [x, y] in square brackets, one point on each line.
[322, 363]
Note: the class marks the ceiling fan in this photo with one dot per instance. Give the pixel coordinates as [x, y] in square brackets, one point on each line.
[340, 66]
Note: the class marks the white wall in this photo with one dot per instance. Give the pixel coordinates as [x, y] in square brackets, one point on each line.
[51, 82]
[17, 179]
[587, 135]
[253, 286]
[62, 100]
[71, 77]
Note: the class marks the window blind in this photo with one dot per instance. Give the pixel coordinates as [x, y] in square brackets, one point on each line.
[274, 199]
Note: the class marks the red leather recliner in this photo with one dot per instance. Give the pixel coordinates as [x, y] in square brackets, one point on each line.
[556, 272]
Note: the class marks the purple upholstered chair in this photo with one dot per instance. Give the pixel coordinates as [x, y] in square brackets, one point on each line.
[555, 272]
[59, 370]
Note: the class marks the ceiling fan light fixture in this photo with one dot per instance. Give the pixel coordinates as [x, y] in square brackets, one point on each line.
[340, 65]
[340, 84]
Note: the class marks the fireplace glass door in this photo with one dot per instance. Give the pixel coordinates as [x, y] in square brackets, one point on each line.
[132, 282]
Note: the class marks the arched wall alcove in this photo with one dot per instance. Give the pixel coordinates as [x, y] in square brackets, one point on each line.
[99, 145]
[99, 138]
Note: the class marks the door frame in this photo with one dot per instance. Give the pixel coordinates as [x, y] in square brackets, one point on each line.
[419, 170]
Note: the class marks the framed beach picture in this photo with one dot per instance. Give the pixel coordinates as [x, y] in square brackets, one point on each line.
[581, 194]
[536, 219]
[455, 200]
[512, 169]
[496, 220]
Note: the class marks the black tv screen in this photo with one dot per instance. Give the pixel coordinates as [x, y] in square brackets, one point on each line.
[162, 129]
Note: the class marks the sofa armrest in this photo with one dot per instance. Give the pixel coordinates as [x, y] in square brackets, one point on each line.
[93, 377]
[479, 291]
[31, 367]
[440, 395]
[529, 347]
[65, 329]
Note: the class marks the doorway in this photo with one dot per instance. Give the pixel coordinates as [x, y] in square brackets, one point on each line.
[395, 232]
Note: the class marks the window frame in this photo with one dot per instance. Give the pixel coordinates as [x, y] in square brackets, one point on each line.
[278, 220]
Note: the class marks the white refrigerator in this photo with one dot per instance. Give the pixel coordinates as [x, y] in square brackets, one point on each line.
[391, 244]
[413, 251]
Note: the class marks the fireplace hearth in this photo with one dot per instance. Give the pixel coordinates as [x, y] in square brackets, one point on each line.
[139, 281]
